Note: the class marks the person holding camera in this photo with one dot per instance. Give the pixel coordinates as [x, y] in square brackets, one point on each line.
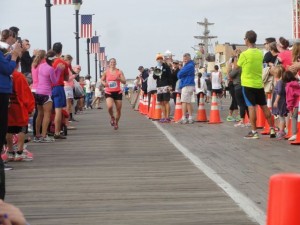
[7, 66]
[162, 75]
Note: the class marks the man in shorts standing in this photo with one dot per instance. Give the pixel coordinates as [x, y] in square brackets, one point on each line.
[187, 86]
[251, 62]
[58, 92]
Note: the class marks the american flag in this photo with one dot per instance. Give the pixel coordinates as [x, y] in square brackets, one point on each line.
[102, 54]
[95, 46]
[62, 2]
[86, 26]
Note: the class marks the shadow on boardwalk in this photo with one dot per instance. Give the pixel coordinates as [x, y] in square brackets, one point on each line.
[132, 176]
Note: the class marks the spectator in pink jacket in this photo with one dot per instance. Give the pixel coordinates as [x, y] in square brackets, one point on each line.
[292, 89]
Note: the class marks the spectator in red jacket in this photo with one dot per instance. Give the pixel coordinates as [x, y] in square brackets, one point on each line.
[21, 106]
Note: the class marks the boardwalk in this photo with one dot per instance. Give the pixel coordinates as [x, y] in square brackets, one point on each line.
[135, 176]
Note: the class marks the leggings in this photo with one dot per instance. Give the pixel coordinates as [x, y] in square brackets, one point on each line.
[240, 101]
[234, 104]
[3, 129]
[294, 118]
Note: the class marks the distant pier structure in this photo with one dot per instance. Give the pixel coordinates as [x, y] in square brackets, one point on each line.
[205, 43]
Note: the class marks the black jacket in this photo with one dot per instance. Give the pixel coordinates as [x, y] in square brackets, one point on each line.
[165, 78]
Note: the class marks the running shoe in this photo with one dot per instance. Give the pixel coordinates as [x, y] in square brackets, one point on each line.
[46, 139]
[272, 133]
[8, 156]
[36, 139]
[293, 138]
[238, 118]
[239, 124]
[252, 135]
[116, 127]
[25, 156]
[280, 135]
[59, 136]
[112, 121]
[230, 119]
[7, 167]
[183, 121]
[190, 121]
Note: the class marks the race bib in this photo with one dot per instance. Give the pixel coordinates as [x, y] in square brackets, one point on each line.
[112, 84]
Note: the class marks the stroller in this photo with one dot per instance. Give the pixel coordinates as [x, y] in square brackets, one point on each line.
[63, 129]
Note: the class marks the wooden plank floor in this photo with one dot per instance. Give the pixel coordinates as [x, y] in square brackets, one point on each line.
[133, 176]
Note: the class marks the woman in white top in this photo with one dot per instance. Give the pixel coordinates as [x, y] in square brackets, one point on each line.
[88, 92]
[200, 86]
[216, 84]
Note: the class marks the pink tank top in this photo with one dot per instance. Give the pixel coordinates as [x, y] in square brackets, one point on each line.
[113, 85]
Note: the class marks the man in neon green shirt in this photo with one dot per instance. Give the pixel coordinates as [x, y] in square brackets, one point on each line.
[251, 62]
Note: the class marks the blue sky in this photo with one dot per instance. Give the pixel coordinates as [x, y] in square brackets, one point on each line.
[134, 31]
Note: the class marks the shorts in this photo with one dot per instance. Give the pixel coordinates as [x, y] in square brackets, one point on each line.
[163, 94]
[254, 96]
[59, 97]
[217, 91]
[114, 95]
[16, 129]
[42, 99]
[69, 92]
[186, 94]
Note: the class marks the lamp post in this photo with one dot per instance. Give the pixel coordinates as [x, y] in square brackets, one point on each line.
[77, 4]
[88, 40]
[48, 23]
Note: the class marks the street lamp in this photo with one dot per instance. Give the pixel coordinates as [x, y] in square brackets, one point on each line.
[48, 23]
[77, 4]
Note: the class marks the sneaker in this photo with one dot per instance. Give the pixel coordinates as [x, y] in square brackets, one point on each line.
[10, 156]
[240, 124]
[238, 118]
[183, 121]
[190, 121]
[272, 133]
[280, 135]
[252, 135]
[46, 139]
[230, 119]
[293, 138]
[162, 121]
[36, 139]
[112, 121]
[25, 156]
[59, 136]
[116, 127]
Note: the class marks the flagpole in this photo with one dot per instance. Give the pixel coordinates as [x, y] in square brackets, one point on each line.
[48, 23]
[88, 40]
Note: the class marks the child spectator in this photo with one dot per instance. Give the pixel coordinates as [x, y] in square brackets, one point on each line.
[21, 105]
[279, 101]
[292, 89]
[200, 86]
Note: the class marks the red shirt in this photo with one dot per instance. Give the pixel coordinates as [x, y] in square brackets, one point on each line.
[21, 101]
[64, 73]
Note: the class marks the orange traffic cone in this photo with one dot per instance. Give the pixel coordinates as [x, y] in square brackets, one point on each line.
[214, 116]
[297, 141]
[290, 133]
[157, 109]
[266, 130]
[141, 103]
[201, 116]
[178, 109]
[145, 109]
[260, 117]
[284, 199]
[150, 108]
